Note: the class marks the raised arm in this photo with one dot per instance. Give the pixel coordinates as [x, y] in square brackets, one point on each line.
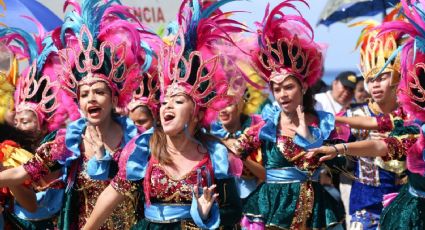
[13, 176]
[367, 148]
[368, 123]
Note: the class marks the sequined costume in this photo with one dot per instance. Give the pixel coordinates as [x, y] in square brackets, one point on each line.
[406, 210]
[37, 91]
[373, 175]
[81, 191]
[170, 203]
[291, 197]
[246, 181]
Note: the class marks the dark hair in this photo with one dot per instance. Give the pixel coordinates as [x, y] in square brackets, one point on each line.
[144, 109]
[9, 132]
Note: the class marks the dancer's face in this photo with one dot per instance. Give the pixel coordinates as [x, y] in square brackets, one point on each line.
[288, 93]
[96, 102]
[380, 88]
[142, 118]
[177, 111]
[231, 114]
[27, 121]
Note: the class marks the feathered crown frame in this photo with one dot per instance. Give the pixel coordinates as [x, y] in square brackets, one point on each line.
[286, 46]
[37, 94]
[178, 71]
[89, 64]
[192, 62]
[39, 50]
[147, 93]
[376, 51]
[411, 90]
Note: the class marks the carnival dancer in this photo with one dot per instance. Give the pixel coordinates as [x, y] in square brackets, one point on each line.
[291, 196]
[373, 175]
[101, 60]
[182, 168]
[235, 119]
[404, 210]
[143, 107]
[11, 153]
[41, 109]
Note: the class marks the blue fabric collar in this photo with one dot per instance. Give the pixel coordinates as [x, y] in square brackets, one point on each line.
[76, 129]
[271, 114]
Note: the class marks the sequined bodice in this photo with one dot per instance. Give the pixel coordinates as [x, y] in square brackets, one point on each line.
[167, 189]
[89, 190]
[295, 154]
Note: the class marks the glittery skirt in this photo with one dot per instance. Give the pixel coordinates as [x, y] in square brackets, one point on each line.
[405, 212]
[293, 206]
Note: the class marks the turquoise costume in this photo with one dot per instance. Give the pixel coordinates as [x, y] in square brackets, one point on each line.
[291, 197]
[407, 210]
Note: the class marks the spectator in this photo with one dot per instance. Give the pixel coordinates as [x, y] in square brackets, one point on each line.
[340, 95]
[360, 93]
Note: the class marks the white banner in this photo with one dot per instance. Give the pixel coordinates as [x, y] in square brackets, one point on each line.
[154, 13]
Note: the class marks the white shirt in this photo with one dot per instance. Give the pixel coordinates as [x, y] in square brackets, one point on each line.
[325, 102]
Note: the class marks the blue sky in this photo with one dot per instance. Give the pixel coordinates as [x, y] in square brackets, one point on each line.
[340, 39]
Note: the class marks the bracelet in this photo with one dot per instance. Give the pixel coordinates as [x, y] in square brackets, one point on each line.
[336, 149]
[345, 148]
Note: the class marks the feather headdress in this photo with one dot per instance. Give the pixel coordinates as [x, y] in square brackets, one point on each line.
[412, 55]
[147, 94]
[192, 63]
[44, 63]
[375, 51]
[103, 41]
[286, 46]
[411, 90]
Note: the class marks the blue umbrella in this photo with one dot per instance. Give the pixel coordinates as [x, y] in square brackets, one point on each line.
[14, 9]
[345, 10]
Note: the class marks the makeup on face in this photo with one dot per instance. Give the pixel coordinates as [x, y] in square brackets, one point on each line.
[96, 102]
[176, 112]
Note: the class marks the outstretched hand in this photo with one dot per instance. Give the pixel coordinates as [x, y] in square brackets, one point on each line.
[328, 151]
[206, 200]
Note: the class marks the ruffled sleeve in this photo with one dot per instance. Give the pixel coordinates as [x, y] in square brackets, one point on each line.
[321, 133]
[132, 163]
[135, 156]
[48, 157]
[388, 122]
[73, 139]
[270, 115]
[219, 158]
